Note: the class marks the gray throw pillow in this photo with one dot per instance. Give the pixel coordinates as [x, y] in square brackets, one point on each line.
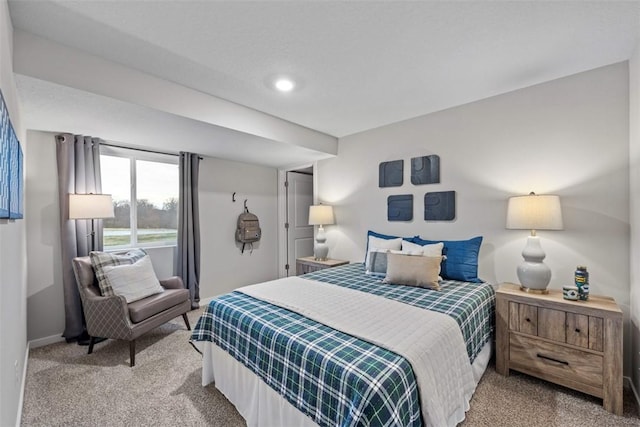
[99, 260]
[133, 281]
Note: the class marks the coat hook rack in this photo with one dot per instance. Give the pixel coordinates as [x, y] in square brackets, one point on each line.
[233, 197]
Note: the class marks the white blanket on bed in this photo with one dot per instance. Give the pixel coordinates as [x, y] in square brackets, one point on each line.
[432, 342]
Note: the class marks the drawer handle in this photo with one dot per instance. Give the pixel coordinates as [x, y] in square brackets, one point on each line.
[527, 319]
[578, 330]
[542, 356]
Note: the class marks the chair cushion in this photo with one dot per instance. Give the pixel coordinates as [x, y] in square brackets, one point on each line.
[154, 304]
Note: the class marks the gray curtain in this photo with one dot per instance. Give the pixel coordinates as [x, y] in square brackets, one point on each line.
[189, 226]
[78, 172]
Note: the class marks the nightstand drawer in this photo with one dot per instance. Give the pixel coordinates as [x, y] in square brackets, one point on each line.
[556, 325]
[563, 364]
[523, 318]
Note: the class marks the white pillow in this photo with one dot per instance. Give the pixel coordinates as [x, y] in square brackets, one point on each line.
[378, 243]
[434, 249]
[134, 281]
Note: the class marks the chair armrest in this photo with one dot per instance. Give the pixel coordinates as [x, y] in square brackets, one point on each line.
[174, 282]
[107, 317]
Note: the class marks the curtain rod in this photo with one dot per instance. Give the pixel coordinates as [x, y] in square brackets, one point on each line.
[108, 144]
[142, 149]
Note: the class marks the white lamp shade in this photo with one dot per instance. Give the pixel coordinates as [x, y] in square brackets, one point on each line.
[90, 206]
[320, 215]
[533, 212]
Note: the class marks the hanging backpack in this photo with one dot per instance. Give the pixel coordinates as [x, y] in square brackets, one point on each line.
[248, 230]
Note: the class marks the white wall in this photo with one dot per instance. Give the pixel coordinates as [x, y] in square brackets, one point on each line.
[567, 137]
[634, 202]
[12, 256]
[223, 267]
[45, 297]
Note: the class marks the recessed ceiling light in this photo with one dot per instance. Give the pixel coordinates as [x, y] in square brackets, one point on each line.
[284, 85]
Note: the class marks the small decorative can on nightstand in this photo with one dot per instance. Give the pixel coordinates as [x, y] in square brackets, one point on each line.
[308, 264]
[577, 344]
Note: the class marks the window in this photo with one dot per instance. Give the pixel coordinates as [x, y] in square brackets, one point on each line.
[144, 187]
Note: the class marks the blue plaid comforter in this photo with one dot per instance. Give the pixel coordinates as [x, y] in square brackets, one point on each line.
[330, 376]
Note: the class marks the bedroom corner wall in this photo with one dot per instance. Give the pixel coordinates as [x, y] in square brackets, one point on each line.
[45, 295]
[223, 267]
[568, 137]
[13, 335]
[634, 213]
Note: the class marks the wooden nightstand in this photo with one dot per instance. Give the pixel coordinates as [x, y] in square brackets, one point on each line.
[308, 264]
[577, 344]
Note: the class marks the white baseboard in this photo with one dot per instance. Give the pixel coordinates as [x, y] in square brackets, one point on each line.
[41, 342]
[24, 381]
[633, 389]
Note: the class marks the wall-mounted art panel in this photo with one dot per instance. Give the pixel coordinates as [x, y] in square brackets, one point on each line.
[400, 207]
[11, 159]
[15, 178]
[425, 170]
[4, 166]
[440, 206]
[390, 173]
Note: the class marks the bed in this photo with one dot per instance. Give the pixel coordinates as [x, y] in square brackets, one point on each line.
[281, 364]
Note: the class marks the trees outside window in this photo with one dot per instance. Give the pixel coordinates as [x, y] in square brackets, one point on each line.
[144, 187]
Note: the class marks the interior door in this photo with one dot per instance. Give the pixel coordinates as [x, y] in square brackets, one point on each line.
[299, 232]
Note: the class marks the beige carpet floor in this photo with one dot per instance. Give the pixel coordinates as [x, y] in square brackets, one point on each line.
[67, 387]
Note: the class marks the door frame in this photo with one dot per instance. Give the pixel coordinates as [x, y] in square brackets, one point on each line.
[282, 213]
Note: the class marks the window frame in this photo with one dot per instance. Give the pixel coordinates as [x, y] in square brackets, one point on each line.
[134, 155]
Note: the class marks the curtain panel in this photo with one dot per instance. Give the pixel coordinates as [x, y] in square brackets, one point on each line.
[78, 159]
[188, 258]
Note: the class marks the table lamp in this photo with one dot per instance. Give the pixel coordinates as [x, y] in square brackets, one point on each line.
[91, 206]
[534, 212]
[320, 215]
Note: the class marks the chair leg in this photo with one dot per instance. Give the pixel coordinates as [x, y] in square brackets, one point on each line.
[132, 352]
[92, 341]
[186, 321]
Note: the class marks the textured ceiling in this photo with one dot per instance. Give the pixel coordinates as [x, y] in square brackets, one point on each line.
[359, 65]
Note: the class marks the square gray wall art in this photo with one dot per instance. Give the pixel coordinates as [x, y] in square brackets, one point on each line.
[440, 206]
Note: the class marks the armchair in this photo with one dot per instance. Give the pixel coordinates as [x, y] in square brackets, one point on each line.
[112, 317]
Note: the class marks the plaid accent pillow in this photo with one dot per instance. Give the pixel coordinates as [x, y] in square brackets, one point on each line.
[99, 260]
[377, 262]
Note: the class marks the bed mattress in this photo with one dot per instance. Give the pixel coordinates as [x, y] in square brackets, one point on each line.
[333, 377]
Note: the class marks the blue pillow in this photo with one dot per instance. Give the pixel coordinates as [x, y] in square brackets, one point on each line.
[387, 237]
[461, 262]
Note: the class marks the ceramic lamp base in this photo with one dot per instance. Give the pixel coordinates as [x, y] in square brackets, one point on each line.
[534, 275]
[321, 250]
